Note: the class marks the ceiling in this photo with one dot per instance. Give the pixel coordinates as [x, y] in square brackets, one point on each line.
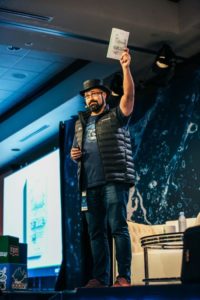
[48, 48]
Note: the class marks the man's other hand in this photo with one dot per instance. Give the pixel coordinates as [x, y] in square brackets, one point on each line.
[75, 153]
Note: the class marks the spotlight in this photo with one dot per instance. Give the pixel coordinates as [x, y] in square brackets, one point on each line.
[165, 57]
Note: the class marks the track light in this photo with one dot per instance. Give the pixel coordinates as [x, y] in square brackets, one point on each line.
[164, 65]
[165, 57]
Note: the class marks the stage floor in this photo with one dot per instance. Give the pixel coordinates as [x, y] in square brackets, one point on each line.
[151, 292]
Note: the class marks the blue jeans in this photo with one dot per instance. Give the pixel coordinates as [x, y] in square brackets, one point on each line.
[107, 205]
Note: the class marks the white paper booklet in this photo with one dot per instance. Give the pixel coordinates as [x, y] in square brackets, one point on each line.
[118, 41]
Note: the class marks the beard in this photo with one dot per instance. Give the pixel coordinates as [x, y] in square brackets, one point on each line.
[94, 106]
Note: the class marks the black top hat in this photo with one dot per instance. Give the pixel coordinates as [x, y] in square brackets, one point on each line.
[94, 83]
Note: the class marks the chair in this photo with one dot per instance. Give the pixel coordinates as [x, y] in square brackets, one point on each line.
[162, 263]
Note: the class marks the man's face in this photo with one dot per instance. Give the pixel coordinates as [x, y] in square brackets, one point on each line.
[95, 99]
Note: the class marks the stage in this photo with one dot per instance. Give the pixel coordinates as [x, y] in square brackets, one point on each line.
[150, 292]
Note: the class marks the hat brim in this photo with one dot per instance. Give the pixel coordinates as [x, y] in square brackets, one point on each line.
[101, 87]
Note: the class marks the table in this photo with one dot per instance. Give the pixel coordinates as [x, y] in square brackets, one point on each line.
[160, 241]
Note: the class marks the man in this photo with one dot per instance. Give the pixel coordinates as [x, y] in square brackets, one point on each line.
[102, 148]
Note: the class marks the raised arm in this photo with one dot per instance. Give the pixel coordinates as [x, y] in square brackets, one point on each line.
[127, 99]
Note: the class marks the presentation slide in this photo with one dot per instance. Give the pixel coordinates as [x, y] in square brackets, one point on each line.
[32, 211]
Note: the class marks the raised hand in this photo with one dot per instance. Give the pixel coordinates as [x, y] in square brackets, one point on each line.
[125, 59]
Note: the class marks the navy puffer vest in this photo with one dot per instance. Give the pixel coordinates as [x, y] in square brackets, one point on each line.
[114, 146]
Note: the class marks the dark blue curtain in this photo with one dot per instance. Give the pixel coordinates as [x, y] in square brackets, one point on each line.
[75, 243]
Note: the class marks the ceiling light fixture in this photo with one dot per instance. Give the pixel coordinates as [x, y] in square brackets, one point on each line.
[19, 75]
[165, 57]
[34, 133]
[26, 15]
[164, 65]
[13, 48]
[29, 44]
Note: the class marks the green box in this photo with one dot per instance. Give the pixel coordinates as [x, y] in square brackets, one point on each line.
[9, 249]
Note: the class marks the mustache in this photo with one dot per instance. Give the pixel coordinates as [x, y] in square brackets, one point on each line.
[93, 102]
